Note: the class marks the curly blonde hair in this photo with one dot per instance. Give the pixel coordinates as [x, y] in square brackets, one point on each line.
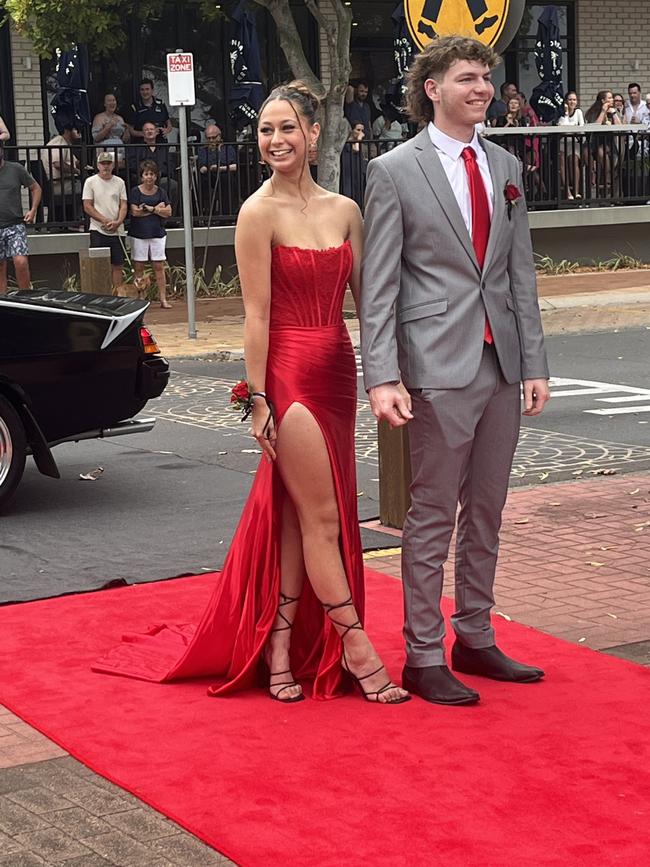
[433, 62]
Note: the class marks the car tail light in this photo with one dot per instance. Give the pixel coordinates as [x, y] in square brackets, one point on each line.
[148, 340]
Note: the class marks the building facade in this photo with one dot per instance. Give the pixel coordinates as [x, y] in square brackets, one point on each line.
[604, 45]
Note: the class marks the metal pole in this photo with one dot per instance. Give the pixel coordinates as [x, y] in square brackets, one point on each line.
[187, 223]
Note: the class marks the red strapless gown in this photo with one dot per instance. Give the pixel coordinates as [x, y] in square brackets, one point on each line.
[310, 361]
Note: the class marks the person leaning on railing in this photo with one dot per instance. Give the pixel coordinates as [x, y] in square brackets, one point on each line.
[604, 148]
[109, 128]
[570, 162]
[514, 117]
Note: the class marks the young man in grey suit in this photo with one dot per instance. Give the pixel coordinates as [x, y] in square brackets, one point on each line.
[450, 328]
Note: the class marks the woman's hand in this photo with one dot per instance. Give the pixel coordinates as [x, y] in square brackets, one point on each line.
[263, 427]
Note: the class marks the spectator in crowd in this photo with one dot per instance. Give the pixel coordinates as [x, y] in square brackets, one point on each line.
[619, 105]
[635, 175]
[149, 108]
[150, 208]
[527, 110]
[513, 115]
[602, 109]
[498, 107]
[13, 237]
[104, 200]
[604, 148]
[5, 135]
[570, 162]
[151, 149]
[109, 128]
[59, 162]
[636, 110]
[215, 157]
[387, 127]
[526, 149]
[354, 163]
[357, 106]
[217, 165]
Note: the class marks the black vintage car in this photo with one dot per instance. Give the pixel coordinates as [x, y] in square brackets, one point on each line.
[72, 366]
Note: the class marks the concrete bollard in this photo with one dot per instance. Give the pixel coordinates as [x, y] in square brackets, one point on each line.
[95, 271]
[394, 474]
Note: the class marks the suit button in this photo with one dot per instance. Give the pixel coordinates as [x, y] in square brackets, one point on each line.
[483, 285]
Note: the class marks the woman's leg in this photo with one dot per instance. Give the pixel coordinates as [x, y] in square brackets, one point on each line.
[577, 186]
[304, 464]
[292, 573]
[161, 282]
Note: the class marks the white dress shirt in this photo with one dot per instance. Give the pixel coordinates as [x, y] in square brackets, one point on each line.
[449, 150]
[641, 112]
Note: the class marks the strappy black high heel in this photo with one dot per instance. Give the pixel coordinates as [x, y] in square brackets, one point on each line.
[368, 695]
[283, 684]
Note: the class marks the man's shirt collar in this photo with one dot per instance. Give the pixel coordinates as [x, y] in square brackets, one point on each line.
[451, 146]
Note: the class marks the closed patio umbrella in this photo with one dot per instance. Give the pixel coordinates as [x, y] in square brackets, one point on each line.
[548, 97]
[403, 49]
[246, 93]
[70, 103]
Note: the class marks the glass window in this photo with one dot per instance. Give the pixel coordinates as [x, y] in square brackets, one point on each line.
[371, 47]
[519, 57]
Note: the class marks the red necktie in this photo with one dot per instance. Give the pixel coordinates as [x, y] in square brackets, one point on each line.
[480, 216]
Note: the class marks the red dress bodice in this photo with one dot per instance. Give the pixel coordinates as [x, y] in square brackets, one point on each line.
[307, 286]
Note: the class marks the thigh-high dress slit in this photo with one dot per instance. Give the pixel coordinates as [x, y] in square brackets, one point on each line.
[311, 362]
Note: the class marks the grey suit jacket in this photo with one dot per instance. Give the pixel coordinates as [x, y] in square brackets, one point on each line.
[423, 296]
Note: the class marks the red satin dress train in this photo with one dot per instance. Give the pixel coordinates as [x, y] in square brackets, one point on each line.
[311, 362]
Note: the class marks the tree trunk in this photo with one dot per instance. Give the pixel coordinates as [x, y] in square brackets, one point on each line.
[336, 27]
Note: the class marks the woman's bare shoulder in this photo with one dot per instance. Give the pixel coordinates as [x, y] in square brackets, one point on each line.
[256, 216]
[344, 207]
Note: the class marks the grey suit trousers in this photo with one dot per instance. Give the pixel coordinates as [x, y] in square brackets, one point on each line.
[462, 443]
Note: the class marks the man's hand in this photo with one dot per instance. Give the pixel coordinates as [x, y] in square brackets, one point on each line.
[392, 403]
[536, 393]
[30, 216]
[111, 225]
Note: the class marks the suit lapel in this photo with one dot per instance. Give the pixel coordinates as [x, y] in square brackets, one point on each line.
[499, 205]
[429, 162]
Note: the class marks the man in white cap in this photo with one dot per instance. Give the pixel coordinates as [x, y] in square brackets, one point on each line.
[105, 202]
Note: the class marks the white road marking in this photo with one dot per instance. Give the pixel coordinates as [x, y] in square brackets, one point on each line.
[619, 410]
[563, 387]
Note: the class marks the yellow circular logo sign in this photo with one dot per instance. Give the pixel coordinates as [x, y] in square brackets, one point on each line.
[493, 22]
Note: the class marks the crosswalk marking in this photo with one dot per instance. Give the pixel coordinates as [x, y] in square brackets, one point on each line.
[618, 410]
[619, 394]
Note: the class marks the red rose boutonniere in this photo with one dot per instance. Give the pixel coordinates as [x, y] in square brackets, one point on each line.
[512, 195]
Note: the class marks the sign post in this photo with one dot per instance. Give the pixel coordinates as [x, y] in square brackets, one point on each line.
[180, 82]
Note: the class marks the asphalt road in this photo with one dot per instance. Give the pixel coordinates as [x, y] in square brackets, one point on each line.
[168, 502]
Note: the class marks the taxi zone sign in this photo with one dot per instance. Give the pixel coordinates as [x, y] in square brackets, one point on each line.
[180, 78]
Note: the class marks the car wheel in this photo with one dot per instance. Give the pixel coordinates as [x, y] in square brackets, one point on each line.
[13, 449]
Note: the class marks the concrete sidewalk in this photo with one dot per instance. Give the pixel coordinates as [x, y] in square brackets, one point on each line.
[574, 303]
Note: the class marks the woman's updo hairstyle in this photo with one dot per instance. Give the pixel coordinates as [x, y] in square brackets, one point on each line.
[303, 99]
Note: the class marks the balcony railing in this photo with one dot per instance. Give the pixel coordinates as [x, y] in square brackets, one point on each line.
[563, 167]
[580, 166]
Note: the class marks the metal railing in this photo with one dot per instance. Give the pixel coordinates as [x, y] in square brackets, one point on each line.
[580, 166]
[563, 167]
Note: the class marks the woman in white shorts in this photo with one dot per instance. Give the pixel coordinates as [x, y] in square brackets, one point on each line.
[150, 208]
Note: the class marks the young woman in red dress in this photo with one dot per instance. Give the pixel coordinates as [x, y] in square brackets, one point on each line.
[290, 598]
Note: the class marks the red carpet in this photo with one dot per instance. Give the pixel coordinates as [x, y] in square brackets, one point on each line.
[555, 773]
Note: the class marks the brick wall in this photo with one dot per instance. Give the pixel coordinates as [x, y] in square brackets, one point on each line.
[28, 103]
[613, 40]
